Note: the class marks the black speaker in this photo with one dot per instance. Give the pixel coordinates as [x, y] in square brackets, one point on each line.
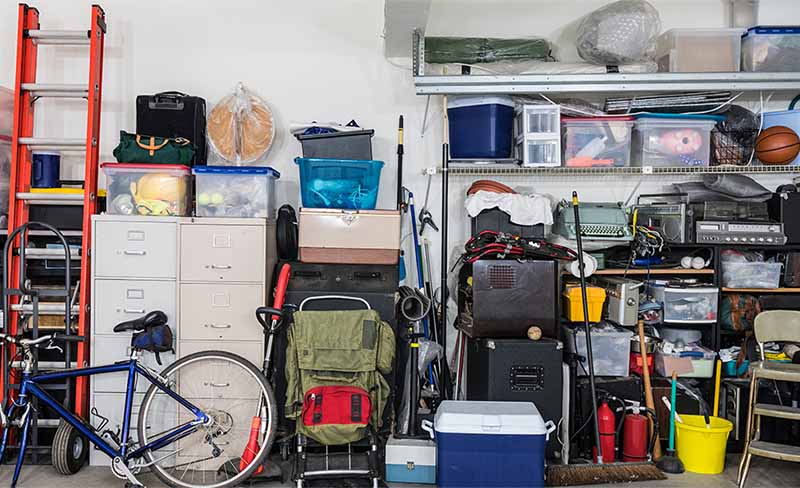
[791, 275]
[785, 207]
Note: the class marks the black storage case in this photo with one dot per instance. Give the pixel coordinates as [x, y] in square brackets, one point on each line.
[174, 114]
[785, 207]
[338, 145]
[510, 296]
[499, 221]
[518, 370]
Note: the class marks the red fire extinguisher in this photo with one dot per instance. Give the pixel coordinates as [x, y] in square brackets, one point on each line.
[607, 424]
[634, 438]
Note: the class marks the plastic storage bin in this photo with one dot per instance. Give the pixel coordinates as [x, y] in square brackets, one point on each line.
[355, 144]
[537, 135]
[339, 183]
[573, 302]
[611, 349]
[597, 141]
[148, 189]
[699, 50]
[786, 118]
[685, 367]
[771, 48]
[480, 127]
[490, 444]
[691, 305]
[235, 191]
[751, 275]
[672, 141]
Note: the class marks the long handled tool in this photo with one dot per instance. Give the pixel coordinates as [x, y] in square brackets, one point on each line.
[586, 474]
[670, 463]
[648, 390]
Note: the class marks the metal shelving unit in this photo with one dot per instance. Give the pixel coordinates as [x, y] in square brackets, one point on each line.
[454, 169]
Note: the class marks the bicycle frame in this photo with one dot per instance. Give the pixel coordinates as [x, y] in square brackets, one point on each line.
[30, 387]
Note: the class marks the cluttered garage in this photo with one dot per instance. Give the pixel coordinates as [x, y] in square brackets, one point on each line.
[400, 243]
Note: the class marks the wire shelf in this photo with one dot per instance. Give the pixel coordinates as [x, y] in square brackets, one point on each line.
[508, 170]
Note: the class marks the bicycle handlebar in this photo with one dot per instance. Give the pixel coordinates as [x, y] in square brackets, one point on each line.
[19, 341]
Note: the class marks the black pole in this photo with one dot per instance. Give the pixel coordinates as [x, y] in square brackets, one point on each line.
[586, 325]
[444, 265]
[400, 164]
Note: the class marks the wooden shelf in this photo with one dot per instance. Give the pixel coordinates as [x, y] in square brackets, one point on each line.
[761, 290]
[658, 271]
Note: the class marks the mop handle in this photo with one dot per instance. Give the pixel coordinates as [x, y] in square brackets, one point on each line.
[673, 395]
[420, 280]
[586, 326]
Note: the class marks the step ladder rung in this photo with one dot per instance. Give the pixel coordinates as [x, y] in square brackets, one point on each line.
[52, 142]
[50, 253]
[56, 90]
[776, 411]
[44, 308]
[69, 37]
[35, 198]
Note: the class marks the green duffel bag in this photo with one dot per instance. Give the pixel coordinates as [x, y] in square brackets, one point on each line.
[137, 148]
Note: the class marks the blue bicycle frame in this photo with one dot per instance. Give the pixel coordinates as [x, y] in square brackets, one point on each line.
[30, 387]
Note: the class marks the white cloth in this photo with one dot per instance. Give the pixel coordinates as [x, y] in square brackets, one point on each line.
[524, 209]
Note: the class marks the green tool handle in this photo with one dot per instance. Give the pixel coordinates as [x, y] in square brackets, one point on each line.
[673, 395]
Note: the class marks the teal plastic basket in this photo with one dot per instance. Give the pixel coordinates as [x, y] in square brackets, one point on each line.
[339, 183]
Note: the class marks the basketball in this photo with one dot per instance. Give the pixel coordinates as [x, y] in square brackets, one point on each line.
[777, 145]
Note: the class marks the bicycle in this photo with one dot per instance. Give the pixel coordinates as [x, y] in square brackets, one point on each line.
[193, 424]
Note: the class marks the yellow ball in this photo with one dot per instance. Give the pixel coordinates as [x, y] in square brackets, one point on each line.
[204, 199]
[217, 198]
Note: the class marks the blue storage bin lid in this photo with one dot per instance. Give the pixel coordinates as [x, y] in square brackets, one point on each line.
[236, 170]
[773, 29]
[337, 161]
[715, 118]
[460, 101]
[491, 418]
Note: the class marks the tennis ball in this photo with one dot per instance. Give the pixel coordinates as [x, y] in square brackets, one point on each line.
[217, 198]
[204, 198]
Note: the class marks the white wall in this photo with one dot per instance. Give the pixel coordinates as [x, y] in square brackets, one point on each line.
[312, 60]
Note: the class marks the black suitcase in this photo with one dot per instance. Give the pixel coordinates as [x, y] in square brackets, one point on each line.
[519, 370]
[174, 114]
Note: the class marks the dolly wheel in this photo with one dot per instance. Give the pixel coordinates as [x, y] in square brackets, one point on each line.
[70, 449]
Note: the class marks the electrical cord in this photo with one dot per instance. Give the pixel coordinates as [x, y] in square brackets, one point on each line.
[498, 245]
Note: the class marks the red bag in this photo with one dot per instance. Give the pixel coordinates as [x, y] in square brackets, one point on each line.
[341, 405]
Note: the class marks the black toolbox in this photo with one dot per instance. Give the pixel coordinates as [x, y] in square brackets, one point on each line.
[519, 370]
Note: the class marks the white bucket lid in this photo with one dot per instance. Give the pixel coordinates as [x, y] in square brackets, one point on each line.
[459, 101]
[491, 418]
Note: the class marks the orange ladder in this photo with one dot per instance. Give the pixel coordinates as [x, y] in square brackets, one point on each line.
[26, 92]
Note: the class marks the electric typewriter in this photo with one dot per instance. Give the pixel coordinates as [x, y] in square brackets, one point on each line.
[599, 221]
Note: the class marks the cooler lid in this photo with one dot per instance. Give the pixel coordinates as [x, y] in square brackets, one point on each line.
[773, 29]
[236, 170]
[490, 418]
[154, 167]
[459, 101]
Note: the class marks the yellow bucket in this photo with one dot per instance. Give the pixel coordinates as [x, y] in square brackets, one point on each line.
[702, 450]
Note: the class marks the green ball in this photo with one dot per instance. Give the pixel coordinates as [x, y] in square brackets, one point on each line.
[217, 198]
[203, 199]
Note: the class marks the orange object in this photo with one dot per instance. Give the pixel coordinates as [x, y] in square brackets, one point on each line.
[489, 185]
[20, 178]
[252, 447]
[777, 145]
[587, 162]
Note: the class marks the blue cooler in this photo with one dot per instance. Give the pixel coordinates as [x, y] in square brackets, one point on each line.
[490, 444]
[480, 127]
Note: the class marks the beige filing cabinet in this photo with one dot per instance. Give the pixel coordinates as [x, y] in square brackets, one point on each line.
[207, 274]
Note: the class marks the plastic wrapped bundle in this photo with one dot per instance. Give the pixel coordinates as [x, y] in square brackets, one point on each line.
[241, 128]
[474, 50]
[621, 32]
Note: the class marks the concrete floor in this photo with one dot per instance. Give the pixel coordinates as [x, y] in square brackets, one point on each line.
[764, 473]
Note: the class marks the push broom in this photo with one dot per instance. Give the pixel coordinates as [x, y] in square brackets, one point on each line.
[588, 474]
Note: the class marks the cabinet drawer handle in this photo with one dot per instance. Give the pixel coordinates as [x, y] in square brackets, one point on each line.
[220, 266]
[219, 326]
[133, 310]
[219, 385]
[129, 252]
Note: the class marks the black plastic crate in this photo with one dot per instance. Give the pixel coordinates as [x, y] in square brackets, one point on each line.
[338, 145]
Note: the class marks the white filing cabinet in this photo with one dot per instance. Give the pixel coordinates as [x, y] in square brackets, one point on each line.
[208, 275]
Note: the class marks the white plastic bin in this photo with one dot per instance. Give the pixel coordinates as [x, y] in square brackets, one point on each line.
[597, 141]
[672, 141]
[610, 349]
[685, 367]
[690, 305]
[751, 275]
[771, 48]
[147, 189]
[537, 135]
[699, 50]
[490, 444]
[235, 191]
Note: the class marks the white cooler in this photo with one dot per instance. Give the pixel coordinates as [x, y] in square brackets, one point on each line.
[410, 461]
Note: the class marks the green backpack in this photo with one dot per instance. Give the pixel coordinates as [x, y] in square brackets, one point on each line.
[136, 148]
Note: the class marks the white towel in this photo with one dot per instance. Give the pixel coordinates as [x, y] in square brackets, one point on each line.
[524, 209]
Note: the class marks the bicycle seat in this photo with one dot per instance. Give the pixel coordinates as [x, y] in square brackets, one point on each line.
[152, 319]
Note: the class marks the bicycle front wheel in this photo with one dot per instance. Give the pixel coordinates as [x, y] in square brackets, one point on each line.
[231, 392]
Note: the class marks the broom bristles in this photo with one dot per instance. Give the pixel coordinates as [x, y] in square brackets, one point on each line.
[592, 474]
